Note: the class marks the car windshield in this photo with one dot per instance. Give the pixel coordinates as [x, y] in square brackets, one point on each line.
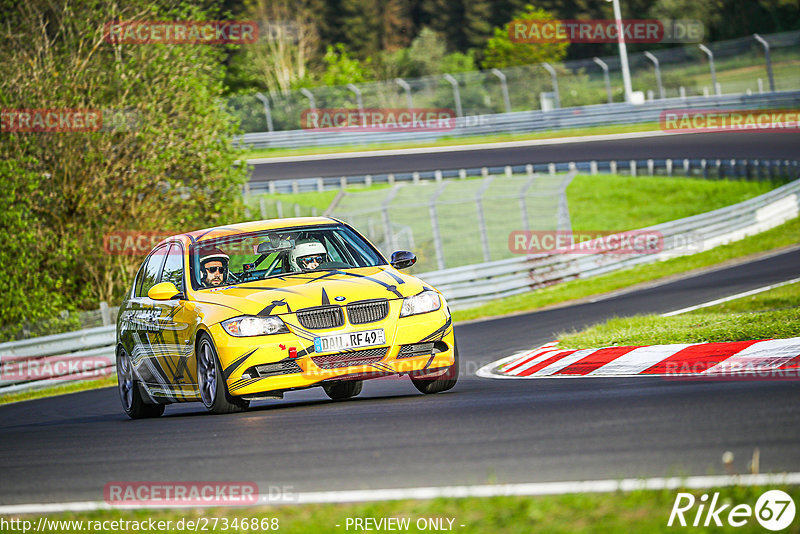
[256, 256]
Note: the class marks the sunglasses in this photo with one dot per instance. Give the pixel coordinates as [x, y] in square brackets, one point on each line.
[311, 259]
[214, 269]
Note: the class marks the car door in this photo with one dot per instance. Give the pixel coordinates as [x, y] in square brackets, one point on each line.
[173, 343]
[144, 321]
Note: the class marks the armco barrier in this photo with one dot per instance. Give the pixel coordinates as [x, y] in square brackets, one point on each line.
[526, 121]
[464, 286]
[469, 285]
[38, 354]
[749, 169]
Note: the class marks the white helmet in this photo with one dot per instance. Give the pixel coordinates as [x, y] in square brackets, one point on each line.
[307, 250]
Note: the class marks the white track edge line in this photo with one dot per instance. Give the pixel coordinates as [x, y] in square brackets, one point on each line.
[731, 297]
[462, 148]
[532, 489]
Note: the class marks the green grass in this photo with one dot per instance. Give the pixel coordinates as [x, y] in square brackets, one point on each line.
[452, 141]
[772, 314]
[636, 511]
[784, 235]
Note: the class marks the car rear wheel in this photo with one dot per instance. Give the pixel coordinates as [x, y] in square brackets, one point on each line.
[130, 393]
[440, 383]
[344, 389]
[213, 390]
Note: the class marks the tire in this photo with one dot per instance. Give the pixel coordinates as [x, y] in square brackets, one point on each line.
[439, 383]
[213, 390]
[130, 391]
[343, 390]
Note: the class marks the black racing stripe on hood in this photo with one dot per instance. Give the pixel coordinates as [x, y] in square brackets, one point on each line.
[236, 364]
[275, 303]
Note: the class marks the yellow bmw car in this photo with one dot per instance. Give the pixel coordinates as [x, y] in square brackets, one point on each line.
[249, 311]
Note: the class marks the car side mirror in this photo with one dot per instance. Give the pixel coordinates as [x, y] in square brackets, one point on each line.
[164, 291]
[402, 259]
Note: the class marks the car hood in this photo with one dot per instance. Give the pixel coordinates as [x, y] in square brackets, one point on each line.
[287, 294]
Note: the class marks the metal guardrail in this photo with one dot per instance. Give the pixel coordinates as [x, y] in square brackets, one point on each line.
[463, 286]
[751, 169]
[46, 361]
[470, 285]
[524, 121]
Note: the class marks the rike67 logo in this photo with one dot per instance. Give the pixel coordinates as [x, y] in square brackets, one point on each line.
[774, 510]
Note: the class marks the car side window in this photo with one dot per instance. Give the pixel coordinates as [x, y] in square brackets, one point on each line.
[173, 266]
[151, 271]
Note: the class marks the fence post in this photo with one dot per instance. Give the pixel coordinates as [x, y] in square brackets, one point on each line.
[509, 171]
[462, 174]
[320, 185]
[633, 167]
[551, 168]
[312, 104]
[650, 167]
[523, 205]
[359, 101]
[593, 167]
[343, 182]
[263, 205]
[456, 94]
[271, 187]
[549, 68]
[603, 65]
[438, 175]
[564, 223]
[279, 206]
[267, 110]
[368, 180]
[404, 84]
[669, 166]
[687, 166]
[504, 88]
[295, 187]
[765, 44]
[437, 238]
[415, 177]
[481, 219]
[612, 166]
[391, 178]
[654, 59]
[710, 55]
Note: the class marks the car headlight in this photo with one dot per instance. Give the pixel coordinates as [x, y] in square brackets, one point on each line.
[254, 326]
[425, 302]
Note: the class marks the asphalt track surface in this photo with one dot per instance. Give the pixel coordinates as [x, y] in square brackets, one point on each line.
[67, 448]
[742, 145]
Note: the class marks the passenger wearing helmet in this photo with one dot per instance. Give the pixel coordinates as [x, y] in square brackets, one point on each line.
[213, 267]
[308, 255]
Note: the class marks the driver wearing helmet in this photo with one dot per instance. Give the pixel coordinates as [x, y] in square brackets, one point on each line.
[308, 255]
[213, 267]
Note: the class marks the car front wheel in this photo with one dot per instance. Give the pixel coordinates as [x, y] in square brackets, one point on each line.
[440, 383]
[213, 390]
[344, 389]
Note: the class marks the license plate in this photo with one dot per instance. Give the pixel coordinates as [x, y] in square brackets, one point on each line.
[365, 338]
